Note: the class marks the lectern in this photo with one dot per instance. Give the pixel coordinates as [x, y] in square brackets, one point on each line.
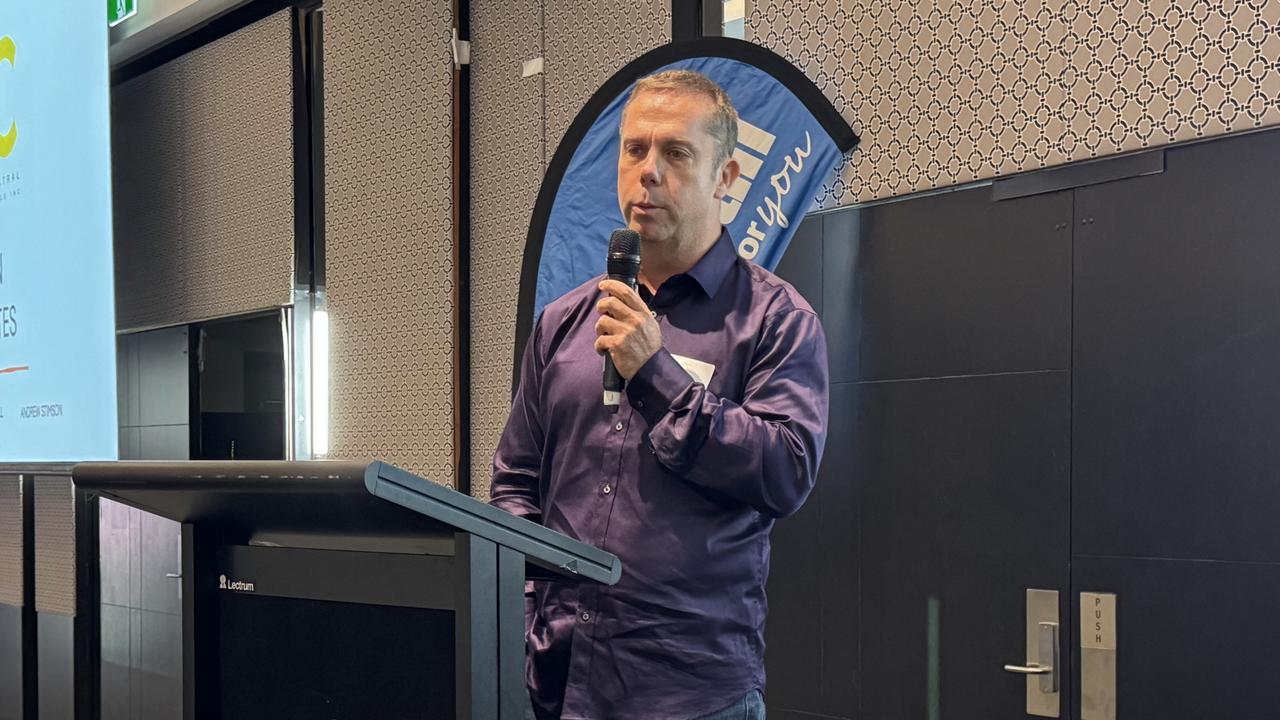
[346, 590]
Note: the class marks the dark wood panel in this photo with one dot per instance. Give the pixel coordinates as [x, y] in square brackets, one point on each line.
[1194, 640]
[964, 483]
[801, 264]
[55, 663]
[286, 657]
[1177, 337]
[10, 662]
[812, 632]
[948, 284]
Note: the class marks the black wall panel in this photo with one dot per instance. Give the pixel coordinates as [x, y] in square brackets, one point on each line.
[1195, 640]
[948, 325]
[55, 666]
[949, 284]
[1177, 342]
[802, 264]
[10, 662]
[963, 485]
[1175, 416]
[814, 618]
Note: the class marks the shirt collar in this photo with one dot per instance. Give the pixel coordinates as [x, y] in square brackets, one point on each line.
[712, 268]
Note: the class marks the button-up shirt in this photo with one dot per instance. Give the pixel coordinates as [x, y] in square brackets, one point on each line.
[718, 434]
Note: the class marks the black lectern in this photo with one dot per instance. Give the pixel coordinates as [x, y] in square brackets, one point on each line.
[346, 590]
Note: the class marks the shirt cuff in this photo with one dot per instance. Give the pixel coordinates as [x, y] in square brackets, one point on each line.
[656, 386]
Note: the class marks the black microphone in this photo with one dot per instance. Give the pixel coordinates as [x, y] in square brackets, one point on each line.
[623, 265]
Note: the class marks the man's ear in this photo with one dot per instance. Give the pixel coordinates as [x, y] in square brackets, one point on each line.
[728, 175]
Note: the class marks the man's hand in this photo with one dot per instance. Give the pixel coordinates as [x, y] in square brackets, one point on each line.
[625, 329]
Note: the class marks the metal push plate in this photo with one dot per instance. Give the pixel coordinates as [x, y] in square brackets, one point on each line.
[1097, 656]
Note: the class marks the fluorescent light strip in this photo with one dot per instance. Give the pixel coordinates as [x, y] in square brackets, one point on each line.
[320, 383]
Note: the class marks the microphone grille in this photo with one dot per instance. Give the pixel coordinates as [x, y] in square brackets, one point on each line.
[624, 242]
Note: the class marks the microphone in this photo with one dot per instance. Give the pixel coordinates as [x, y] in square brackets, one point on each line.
[623, 265]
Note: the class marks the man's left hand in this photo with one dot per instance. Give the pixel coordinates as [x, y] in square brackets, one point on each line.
[626, 329]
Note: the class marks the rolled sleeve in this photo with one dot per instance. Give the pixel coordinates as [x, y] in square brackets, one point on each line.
[657, 386]
[764, 451]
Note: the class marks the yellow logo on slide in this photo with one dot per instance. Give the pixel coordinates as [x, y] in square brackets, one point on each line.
[7, 140]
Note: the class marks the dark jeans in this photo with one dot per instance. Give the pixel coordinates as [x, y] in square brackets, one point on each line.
[747, 707]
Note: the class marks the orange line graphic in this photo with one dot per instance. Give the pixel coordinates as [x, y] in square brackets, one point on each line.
[18, 369]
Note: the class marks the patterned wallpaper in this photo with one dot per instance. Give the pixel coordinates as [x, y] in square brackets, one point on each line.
[389, 228]
[517, 123]
[202, 151]
[55, 545]
[586, 42]
[945, 92]
[507, 166]
[11, 575]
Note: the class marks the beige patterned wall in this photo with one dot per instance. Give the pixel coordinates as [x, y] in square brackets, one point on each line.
[946, 92]
[202, 151]
[11, 576]
[507, 166]
[517, 123]
[388, 223]
[586, 43]
[55, 545]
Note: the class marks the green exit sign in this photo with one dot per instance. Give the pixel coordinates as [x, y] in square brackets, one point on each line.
[120, 10]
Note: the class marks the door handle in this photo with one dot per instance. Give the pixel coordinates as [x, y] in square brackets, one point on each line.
[1046, 666]
[1033, 670]
[1041, 669]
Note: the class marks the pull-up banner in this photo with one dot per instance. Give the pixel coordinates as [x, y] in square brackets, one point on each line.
[790, 139]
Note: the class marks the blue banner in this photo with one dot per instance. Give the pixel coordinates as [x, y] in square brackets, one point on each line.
[784, 151]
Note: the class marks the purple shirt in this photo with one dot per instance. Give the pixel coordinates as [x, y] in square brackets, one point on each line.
[683, 484]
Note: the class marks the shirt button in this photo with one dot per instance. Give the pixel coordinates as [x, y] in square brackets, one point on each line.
[618, 427]
[653, 313]
[586, 616]
[607, 489]
[639, 403]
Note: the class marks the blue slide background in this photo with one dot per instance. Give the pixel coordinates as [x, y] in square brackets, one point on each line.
[55, 236]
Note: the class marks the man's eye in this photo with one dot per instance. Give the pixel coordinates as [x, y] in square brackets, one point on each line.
[677, 154]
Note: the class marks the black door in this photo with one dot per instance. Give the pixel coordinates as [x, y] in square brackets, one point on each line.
[1176, 416]
[1074, 391]
[899, 591]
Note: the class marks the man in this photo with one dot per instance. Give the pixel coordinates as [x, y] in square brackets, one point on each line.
[719, 432]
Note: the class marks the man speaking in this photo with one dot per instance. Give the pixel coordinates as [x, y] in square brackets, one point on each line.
[719, 431]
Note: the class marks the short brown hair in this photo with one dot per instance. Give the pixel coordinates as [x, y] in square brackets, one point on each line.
[722, 124]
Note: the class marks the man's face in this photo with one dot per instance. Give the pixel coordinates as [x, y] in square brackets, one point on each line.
[668, 188]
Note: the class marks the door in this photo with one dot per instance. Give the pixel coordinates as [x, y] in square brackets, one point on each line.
[899, 590]
[1176, 401]
[1074, 391]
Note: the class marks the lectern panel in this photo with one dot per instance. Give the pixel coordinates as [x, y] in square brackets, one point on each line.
[421, 581]
[292, 658]
[334, 589]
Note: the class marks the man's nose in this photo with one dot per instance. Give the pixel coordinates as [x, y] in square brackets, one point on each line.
[650, 173]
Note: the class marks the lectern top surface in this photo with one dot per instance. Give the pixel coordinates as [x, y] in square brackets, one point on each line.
[329, 476]
[268, 502]
[333, 504]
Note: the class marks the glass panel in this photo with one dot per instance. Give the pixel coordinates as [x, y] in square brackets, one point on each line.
[735, 13]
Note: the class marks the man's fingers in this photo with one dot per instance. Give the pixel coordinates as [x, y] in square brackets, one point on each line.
[607, 325]
[629, 297]
[613, 307]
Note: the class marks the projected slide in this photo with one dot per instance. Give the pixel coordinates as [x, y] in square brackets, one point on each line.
[57, 317]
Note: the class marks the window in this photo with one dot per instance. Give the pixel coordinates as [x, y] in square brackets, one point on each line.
[734, 14]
